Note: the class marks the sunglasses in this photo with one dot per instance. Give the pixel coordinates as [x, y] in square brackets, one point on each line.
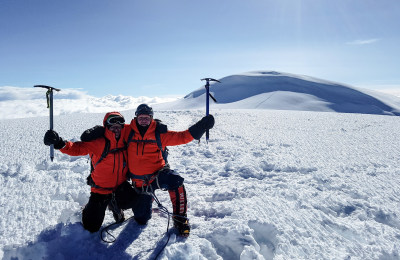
[115, 120]
[144, 118]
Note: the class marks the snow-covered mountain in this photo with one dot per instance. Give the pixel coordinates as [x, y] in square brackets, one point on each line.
[284, 91]
[251, 90]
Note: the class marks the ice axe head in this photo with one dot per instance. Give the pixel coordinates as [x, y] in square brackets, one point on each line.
[49, 93]
[48, 87]
[207, 86]
[210, 79]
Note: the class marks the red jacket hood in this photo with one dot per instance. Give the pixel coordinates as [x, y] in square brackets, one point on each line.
[109, 114]
[108, 134]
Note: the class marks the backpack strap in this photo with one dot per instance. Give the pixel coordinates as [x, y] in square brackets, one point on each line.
[161, 129]
[164, 152]
[131, 135]
[106, 151]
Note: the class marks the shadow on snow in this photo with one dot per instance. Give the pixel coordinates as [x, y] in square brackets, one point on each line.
[71, 241]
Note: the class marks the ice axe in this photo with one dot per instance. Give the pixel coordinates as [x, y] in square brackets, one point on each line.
[208, 95]
[49, 97]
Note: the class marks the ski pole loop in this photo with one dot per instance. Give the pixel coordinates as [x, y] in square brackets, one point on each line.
[48, 98]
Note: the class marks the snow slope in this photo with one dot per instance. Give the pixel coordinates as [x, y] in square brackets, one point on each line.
[284, 91]
[269, 185]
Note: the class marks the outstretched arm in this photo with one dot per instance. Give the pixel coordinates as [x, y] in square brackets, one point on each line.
[75, 149]
[196, 131]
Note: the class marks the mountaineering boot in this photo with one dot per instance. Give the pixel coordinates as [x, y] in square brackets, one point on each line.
[119, 217]
[118, 214]
[181, 223]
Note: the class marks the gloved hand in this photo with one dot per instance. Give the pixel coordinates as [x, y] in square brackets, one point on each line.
[93, 133]
[197, 130]
[51, 137]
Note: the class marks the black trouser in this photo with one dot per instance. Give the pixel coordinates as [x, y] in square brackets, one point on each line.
[167, 180]
[94, 211]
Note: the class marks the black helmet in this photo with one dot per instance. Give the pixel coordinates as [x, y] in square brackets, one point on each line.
[144, 109]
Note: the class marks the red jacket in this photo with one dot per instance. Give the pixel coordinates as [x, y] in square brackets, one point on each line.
[146, 158]
[112, 170]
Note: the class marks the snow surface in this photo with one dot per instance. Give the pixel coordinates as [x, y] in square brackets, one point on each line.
[268, 185]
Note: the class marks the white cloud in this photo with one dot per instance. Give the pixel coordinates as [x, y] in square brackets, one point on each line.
[18, 93]
[363, 42]
[391, 91]
[17, 102]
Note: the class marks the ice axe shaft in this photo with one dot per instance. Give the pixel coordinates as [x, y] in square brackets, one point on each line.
[208, 95]
[49, 97]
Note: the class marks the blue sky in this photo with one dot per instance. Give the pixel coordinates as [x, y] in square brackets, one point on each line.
[159, 47]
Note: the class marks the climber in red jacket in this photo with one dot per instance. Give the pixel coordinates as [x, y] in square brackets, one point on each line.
[109, 186]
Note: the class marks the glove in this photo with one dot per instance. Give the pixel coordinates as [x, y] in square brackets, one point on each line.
[197, 130]
[51, 138]
[93, 133]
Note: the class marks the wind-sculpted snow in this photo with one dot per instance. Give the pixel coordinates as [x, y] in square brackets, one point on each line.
[268, 185]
